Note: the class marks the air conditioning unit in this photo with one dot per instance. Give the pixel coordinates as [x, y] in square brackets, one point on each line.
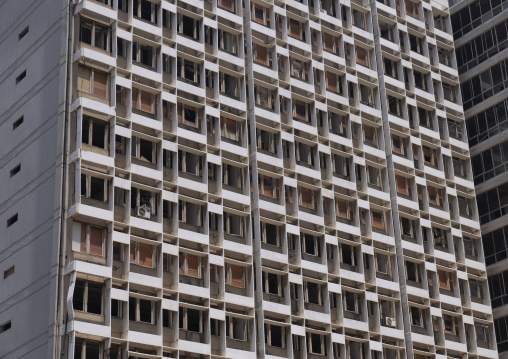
[390, 322]
[144, 212]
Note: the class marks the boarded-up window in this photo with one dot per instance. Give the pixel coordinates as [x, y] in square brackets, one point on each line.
[84, 75]
[192, 266]
[100, 83]
[146, 101]
[261, 54]
[401, 185]
[96, 241]
[377, 220]
[145, 255]
[331, 79]
[236, 276]
[362, 56]
[294, 28]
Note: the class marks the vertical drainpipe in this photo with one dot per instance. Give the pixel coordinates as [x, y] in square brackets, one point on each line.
[258, 293]
[61, 326]
[393, 188]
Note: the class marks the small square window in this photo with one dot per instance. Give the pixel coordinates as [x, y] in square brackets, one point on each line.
[20, 77]
[8, 272]
[17, 123]
[12, 220]
[15, 170]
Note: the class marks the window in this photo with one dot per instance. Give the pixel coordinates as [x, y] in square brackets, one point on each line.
[270, 234]
[264, 97]
[344, 210]
[23, 33]
[144, 101]
[190, 320]
[445, 280]
[88, 297]
[12, 220]
[451, 325]
[308, 198]
[348, 255]
[403, 185]
[95, 188]
[190, 163]
[188, 26]
[311, 245]
[351, 302]
[15, 170]
[275, 336]
[374, 177]
[331, 43]
[235, 275]
[305, 154]
[189, 116]
[93, 82]
[143, 255]
[232, 176]
[191, 265]
[429, 156]
[407, 227]
[316, 343]
[370, 136]
[8, 272]
[383, 263]
[95, 34]
[141, 198]
[88, 349]
[17, 123]
[313, 293]
[190, 213]
[378, 220]
[93, 240]
[296, 29]
[340, 166]
[394, 106]
[142, 310]
[260, 14]
[5, 327]
[301, 111]
[20, 77]
[272, 283]
[476, 289]
[145, 10]
[413, 271]
[417, 317]
[435, 196]
[234, 225]
[188, 71]
[298, 69]
[362, 56]
[471, 247]
[236, 328]
[228, 42]
[95, 132]
[482, 333]
[262, 55]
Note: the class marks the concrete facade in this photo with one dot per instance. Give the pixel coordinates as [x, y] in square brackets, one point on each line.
[254, 179]
[481, 53]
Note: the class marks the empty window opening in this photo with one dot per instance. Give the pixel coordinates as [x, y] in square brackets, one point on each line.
[142, 310]
[88, 297]
[94, 188]
[190, 320]
[8, 272]
[12, 220]
[94, 133]
[20, 77]
[15, 170]
[23, 33]
[413, 271]
[313, 293]
[275, 336]
[17, 123]
[236, 328]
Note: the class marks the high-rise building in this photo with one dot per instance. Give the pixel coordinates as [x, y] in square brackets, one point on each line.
[480, 31]
[236, 179]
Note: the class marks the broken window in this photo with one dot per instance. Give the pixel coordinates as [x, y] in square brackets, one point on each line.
[275, 336]
[311, 244]
[270, 234]
[141, 198]
[235, 275]
[191, 265]
[308, 198]
[88, 297]
[228, 42]
[451, 324]
[144, 150]
[188, 71]
[268, 186]
[94, 187]
[190, 319]
[93, 82]
[93, 239]
[145, 10]
[188, 26]
[407, 227]
[366, 95]
[470, 247]
[417, 317]
[236, 328]
[445, 280]
[416, 43]
[362, 56]
[383, 263]
[298, 69]
[88, 349]
[142, 254]
[190, 163]
[313, 293]
[232, 176]
[483, 333]
[301, 111]
[234, 225]
[378, 220]
[230, 129]
[465, 206]
[304, 154]
[190, 213]
[142, 310]
[264, 97]
[351, 302]
[394, 106]
[348, 254]
[403, 185]
[429, 156]
[266, 141]
[189, 116]
[145, 55]
[316, 343]
[386, 31]
[413, 271]
[340, 166]
[370, 136]
[344, 209]
[435, 196]
[399, 145]
[272, 283]
[95, 34]
[476, 289]
[229, 85]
